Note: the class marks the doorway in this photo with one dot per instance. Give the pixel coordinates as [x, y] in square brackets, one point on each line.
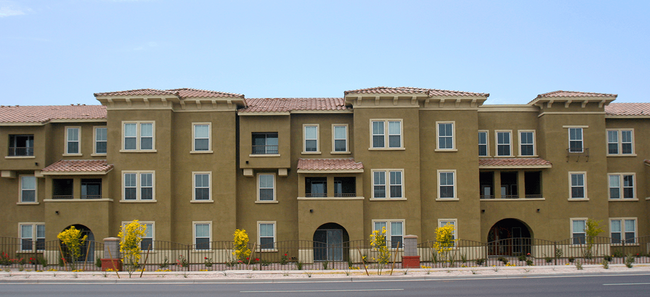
[509, 237]
[330, 242]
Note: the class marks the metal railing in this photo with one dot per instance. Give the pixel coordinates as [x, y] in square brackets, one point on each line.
[21, 151]
[265, 149]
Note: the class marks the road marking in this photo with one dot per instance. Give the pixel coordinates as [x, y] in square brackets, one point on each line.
[323, 291]
[628, 284]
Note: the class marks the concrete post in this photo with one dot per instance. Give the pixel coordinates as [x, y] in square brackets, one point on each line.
[111, 259]
[411, 258]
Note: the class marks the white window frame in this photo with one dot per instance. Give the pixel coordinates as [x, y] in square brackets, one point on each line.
[389, 231]
[534, 144]
[454, 185]
[95, 140]
[259, 236]
[334, 139]
[138, 136]
[194, 138]
[305, 139]
[453, 136]
[572, 234]
[443, 222]
[619, 142]
[387, 185]
[486, 144]
[581, 140]
[21, 189]
[621, 185]
[194, 188]
[139, 187]
[194, 224]
[584, 185]
[274, 188]
[34, 238]
[153, 232]
[387, 134]
[68, 141]
[624, 230]
[496, 142]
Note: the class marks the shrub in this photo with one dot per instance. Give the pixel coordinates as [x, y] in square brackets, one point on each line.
[240, 241]
[548, 259]
[378, 242]
[571, 259]
[629, 260]
[605, 264]
[607, 258]
[522, 257]
[444, 241]
[130, 238]
[480, 262]
[618, 253]
[503, 260]
[72, 239]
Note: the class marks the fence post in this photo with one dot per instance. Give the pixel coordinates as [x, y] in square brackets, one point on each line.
[410, 259]
[188, 257]
[555, 252]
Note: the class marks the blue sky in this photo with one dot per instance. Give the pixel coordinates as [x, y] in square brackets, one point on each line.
[63, 51]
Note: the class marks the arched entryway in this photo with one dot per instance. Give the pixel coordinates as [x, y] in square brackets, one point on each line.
[88, 248]
[330, 242]
[509, 237]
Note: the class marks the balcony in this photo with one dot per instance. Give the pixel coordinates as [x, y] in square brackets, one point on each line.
[512, 184]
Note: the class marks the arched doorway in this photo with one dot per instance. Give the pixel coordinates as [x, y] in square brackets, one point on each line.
[330, 242]
[88, 248]
[509, 237]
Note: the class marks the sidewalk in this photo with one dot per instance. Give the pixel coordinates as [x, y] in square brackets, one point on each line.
[238, 276]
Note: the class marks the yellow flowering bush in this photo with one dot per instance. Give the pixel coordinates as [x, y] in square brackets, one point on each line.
[72, 239]
[131, 236]
[240, 240]
[378, 242]
[444, 240]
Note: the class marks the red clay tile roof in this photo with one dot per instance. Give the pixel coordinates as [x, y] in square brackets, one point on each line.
[561, 93]
[329, 164]
[138, 92]
[628, 109]
[410, 90]
[181, 93]
[291, 104]
[70, 166]
[44, 114]
[513, 162]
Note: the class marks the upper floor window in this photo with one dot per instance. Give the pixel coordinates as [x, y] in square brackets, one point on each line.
[380, 185]
[202, 183]
[73, 140]
[504, 139]
[32, 236]
[446, 184]
[621, 186]
[386, 134]
[623, 229]
[446, 135]
[91, 188]
[340, 138]
[315, 186]
[578, 228]
[27, 189]
[21, 145]
[139, 136]
[201, 136]
[311, 139]
[483, 143]
[527, 143]
[575, 140]
[138, 186]
[394, 231]
[266, 187]
[101, 138]
[620, 142]
[265, 143]
[266, 235]
[578, 183]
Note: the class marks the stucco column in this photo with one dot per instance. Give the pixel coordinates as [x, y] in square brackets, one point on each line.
[497, 184]
[411, 258]
[521, 184]
[111, 259]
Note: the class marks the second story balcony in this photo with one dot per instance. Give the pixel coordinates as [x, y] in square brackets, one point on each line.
[511, 178]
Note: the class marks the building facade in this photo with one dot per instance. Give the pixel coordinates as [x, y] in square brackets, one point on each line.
[195, 165]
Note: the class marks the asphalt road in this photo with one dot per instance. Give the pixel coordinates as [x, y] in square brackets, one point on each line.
[599, 285]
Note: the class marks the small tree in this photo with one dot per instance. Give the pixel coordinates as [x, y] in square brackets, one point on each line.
[240, 241]
[378, 242]
[444, 241]
[592, 230]
[72, 239]
[131, 236]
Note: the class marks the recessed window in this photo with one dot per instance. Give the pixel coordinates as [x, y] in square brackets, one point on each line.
[138, 186]
[394, 231]
[138, 136]
[504, 140]
[483, 143]
[72, 144]
[446, 184]
[452, 222]
[446, 135]
[265, 143]
[21, 145]
[101, 138]
[387, 180]
[386, 133]
[340, 138]
[578, 182]
[202, 183]
[201, 135]
[621, 186]
[578, 227]
[32, 236]
[623, 230]
[27, 189]
[149, 234]
[91, 188]
[576, 144]
[527, 143]
[202, 235]
[266, 187]
[311, 139]
[620, 142]
[266, 239]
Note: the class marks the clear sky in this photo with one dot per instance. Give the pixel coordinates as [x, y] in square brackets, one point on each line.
[60, 52]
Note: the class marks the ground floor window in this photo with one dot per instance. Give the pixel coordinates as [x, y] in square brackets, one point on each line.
[31, 233]
[202, 235]
[266, 235]
[394, 231]
[578, 230]
[623, 229]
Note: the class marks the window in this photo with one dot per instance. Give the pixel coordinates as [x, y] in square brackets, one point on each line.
[202, 187]
[27, 189]
[91, 188]
[394, 231]
[266, 231]
[622, 145]
[446, 184]
[101, 138]
[340, 138]
[623, 230]
[503, 143]
[201, 135]
[148, 238]
[31, 233]
[621, 186]
[202, 235]
[395, 184]
[578, 182]
[21, 145]
[453, 222]
[386, 133]
[138, 136]
[578, 227]
[265, 143]
[310, 132]
[266, 187]
[446, 135]
[527, 143]
[73, 137]
[483, 143]
[316, 186]
[575, 140]
[138, 186]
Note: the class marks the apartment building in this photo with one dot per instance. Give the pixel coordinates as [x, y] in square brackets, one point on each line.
[194, 165]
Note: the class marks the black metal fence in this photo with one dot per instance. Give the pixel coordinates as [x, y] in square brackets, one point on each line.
[18, 253]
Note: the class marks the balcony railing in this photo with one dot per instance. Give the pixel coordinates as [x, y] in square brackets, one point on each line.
[91, 196]
[315, 194]
[21, 151]
[62, 197]
[345, 194]
[265, 149]
[512, 196]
